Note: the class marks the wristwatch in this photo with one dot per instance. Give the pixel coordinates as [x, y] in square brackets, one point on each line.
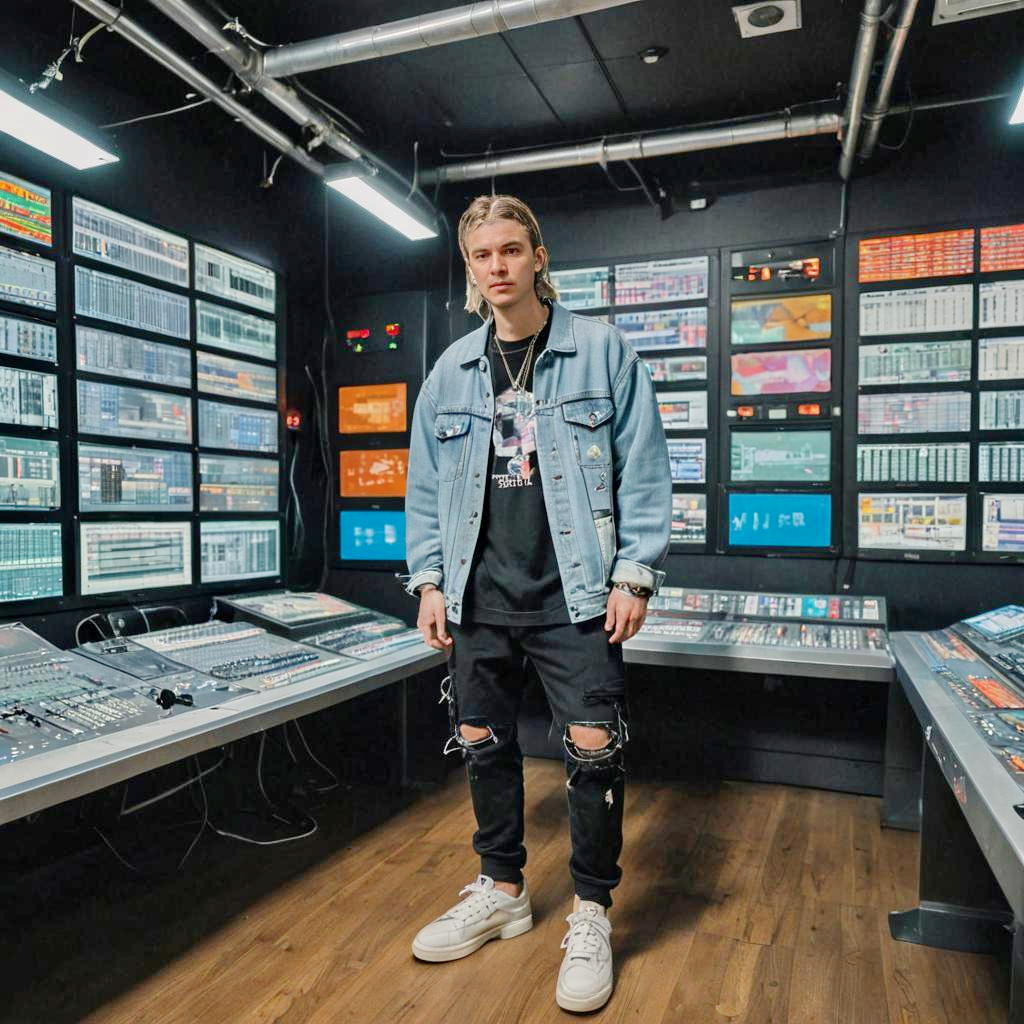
[633, 589]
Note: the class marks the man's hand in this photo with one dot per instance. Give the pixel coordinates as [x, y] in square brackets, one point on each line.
[625, 616]
[432, 619]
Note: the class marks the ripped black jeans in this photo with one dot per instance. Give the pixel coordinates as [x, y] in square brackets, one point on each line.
[585, 685]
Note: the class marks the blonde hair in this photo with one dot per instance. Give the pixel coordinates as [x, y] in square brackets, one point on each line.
[486, 210]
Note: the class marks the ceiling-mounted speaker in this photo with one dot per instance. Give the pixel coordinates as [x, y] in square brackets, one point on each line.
[948, 11]
[764, 18]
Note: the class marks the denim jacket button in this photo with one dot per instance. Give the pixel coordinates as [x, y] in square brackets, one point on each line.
[594, 452]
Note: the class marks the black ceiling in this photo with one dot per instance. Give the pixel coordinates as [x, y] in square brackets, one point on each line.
[559, 82]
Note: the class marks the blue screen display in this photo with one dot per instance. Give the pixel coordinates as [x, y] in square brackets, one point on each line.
[780, 520]
[372, 536]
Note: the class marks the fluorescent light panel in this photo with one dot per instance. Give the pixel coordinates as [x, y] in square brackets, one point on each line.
[35, 129]
[1017, 117]
[362, 192]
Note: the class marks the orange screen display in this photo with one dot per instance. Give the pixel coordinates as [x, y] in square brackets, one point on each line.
[1002, 248]
[908, 257]
[373, 474]
[372, 409]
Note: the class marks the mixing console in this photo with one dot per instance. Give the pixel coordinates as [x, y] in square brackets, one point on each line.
[829, 607]
[368, 638]
[765, 634]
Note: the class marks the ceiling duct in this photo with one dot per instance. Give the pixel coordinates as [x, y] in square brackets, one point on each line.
[876, 115]
[425, 30]
[860, 72]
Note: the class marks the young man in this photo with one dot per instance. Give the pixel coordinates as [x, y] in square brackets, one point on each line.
[537, 513]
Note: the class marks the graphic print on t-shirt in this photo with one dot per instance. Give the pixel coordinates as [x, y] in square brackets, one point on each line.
[515, 438]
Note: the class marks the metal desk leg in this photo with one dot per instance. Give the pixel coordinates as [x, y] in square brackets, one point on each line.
[901, 788]
[961, 905]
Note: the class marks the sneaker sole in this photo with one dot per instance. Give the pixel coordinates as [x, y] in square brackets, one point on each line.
[574, 1005]
[436, 955]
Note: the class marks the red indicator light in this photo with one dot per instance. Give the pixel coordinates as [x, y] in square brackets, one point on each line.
[393, 330]
[766, 273]
[809, 409]
[745, 411]
[352, 335]
[812, 268]
[293, 420]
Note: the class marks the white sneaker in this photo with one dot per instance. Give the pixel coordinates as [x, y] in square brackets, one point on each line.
[585, 979]
[486, 913]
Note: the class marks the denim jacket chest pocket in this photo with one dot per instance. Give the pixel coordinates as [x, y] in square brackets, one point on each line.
[452, 433]
[589, 421]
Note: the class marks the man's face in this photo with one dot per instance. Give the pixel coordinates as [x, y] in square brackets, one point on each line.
[503, 262]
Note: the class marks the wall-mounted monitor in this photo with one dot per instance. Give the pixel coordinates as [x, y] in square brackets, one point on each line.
[948, 463]
[915, 362]
[1000, 358]
[1001, 304]
[229, 329]
[373, 473]
[1001, 410]
[230, 277]
[1002, 248]
[913, 257]
[26, 210]
[229, 483]
[586, 288]
[239, 549]
[914, 412]
[689, 519]
[1001, 462]
[673, 369]
[372, 536]
[774, 519]
[1002, 523]
[236, 378]
[115, 411]
[28, 279]
[28, 398]
[781, 372]
[912, 522]
[687, 460]
[683, 410]
[237, 427]
[771, 456]
[372, 408]
[131, 304]
[917, 310]
[124, 479]
[31, 561]
[665, 328]
[127, 358]
[29, 474]
[784, 318]
[122, 557]
[677, 280]
[28, 339]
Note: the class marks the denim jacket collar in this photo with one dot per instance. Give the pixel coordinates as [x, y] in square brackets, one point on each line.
[560, 339]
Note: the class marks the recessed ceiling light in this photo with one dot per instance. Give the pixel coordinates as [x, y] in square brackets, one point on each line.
[652, 54]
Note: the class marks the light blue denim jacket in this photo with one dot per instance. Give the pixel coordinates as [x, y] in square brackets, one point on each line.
[601, 452]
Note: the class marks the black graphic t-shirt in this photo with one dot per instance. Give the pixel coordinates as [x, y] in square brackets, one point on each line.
[515, 579]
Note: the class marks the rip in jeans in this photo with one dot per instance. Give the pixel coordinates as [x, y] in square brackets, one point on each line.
[456, 741]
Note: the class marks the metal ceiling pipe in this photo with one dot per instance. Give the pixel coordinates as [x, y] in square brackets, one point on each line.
[638, 147]
[860, 72]
[120, 23]
[488, 17]
[246, 63]
[880, 107]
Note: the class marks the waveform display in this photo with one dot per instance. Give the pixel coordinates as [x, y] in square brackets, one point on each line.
[688, 460]
[127, 358]
[661, 281]
[917, 310]
[27, 279]
[795, 519]
[372, 536]
[587, 288]
[31, 561]
[131, 304]
[1001, 304]
[238, 484]
[239, 549]
[1002, 522]
[1001, 462]
[26, 210]
[28, 398]
[126, 557]
[1000, 358]
[372, 408]
[781, 372]
[231, 277]
[783, 318]
[665, 328]
[234, 378]
[1001, 410]
[906, 257]
[28, 339]
[915, 412]
[1002, 248]
[237, 427]
[780, 455]
[373, 473]
[128, 244]
[914, 463]
[29, 474]
[112, 479]
[912, 522]
[689, 519]
[915, 362]
[242, 333]
[116, 411]
[671, 369]
[683, 410]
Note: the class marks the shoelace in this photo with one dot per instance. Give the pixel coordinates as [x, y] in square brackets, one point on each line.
[482, 896]
[585, 938]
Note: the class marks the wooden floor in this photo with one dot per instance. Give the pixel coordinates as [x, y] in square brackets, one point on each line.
[740, 903]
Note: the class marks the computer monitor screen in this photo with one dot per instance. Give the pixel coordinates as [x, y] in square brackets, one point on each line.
[131, 303]
[28, 339]
[1002, 248]
[782, 318]
[235, 378]
[782, 372]
[112, 479]
[122, 557]
[1000, 358]
[587, 288]
[1001, 304]
[948, 463]
[28, 398]
[999, 623]
[672, 369]
[237, 427]
[665, 328]
[780, 455]
[912, 522]
[689, 519]
[1002, 523]
[683, 410]
[687, 459]
[372, 408]
[372, 536]
[779, 520]
[31, 561]
[230, 329]
[661, 281]
[914, 412]
[28, 279]
[116, 411]
[118, 355]
[26, 210]
[1001, 462]
[29, 474]
[237, 484]
[240, 549]
[915, 362]
[912, 257]
[373, 473]
[917, 310]
[1001, 410]
[230, 277]
[112, 238]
